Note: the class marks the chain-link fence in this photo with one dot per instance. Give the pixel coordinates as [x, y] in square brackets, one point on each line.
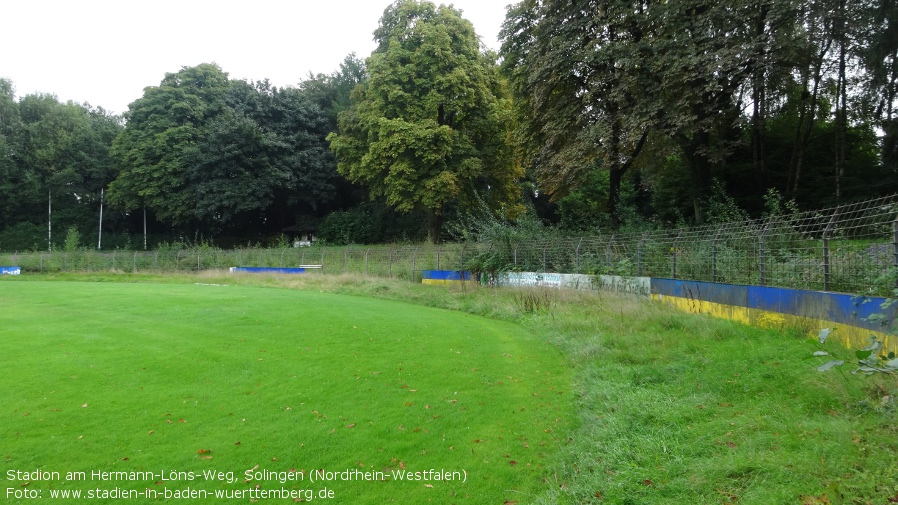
[850, 248]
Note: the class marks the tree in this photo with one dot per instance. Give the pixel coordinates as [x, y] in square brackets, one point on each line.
[164, 129]
[17, 187]
[580, 89]
[200, 149]
[331, 92]
[426, 128]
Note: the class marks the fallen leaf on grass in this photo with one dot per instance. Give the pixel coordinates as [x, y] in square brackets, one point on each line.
[813, 500]
[204, 451]
[83, 405]
[429, 485]
[350, 425]
[150, 432]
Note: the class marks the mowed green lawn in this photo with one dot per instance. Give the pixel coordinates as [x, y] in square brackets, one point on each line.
[177, 379]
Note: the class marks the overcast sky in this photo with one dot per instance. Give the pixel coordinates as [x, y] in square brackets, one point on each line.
[105, 52]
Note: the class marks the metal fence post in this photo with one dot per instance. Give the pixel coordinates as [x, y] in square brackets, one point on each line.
[895, 247]
[714, 254]
[461, 259]
[414, 261]
[761, 258]
[366, 260]
[345, 258]
[515, 255]
[545, 246]
[439, 248]
[826, 234]
[390, 260]
[577, 255]
[639, 255]
[608, 253]
[134, 263]
[674, 251]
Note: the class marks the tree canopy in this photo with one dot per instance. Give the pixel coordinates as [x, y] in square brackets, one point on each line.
[621, 114]
[426, 129]
[202, 148]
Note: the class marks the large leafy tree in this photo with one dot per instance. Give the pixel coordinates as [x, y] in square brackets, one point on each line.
[426, 129]
[266, 152]
[580, 89]
[62, 156]
[18, 188]
[331, 92]
[200, 149]
[161, 140]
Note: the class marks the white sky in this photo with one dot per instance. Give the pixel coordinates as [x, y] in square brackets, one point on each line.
[105, 52]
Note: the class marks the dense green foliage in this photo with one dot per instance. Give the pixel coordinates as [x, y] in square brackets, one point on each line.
[618, 115]
[202, 148]
[425, 130]
[757, 94]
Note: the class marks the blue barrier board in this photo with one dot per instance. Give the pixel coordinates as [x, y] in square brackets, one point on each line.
[268, 270]
[446, 275]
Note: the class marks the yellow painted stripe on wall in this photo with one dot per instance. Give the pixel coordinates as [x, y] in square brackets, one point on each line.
[851, 337]
[441, 281]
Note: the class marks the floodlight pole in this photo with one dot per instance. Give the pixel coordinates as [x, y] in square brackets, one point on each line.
[50, 220]
[100, 234]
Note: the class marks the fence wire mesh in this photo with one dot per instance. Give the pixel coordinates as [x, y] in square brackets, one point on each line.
[851, 248]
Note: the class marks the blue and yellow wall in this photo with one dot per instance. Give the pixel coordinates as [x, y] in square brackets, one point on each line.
[444, 276]
[773, 307]
[769, 307]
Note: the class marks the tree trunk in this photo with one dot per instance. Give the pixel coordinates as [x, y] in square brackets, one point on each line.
[841, 103]
[759, 97]
[435, 226]
[615, 176]
[699, 169]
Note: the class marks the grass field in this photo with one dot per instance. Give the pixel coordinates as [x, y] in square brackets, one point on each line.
[624, 401]
[168, 378]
